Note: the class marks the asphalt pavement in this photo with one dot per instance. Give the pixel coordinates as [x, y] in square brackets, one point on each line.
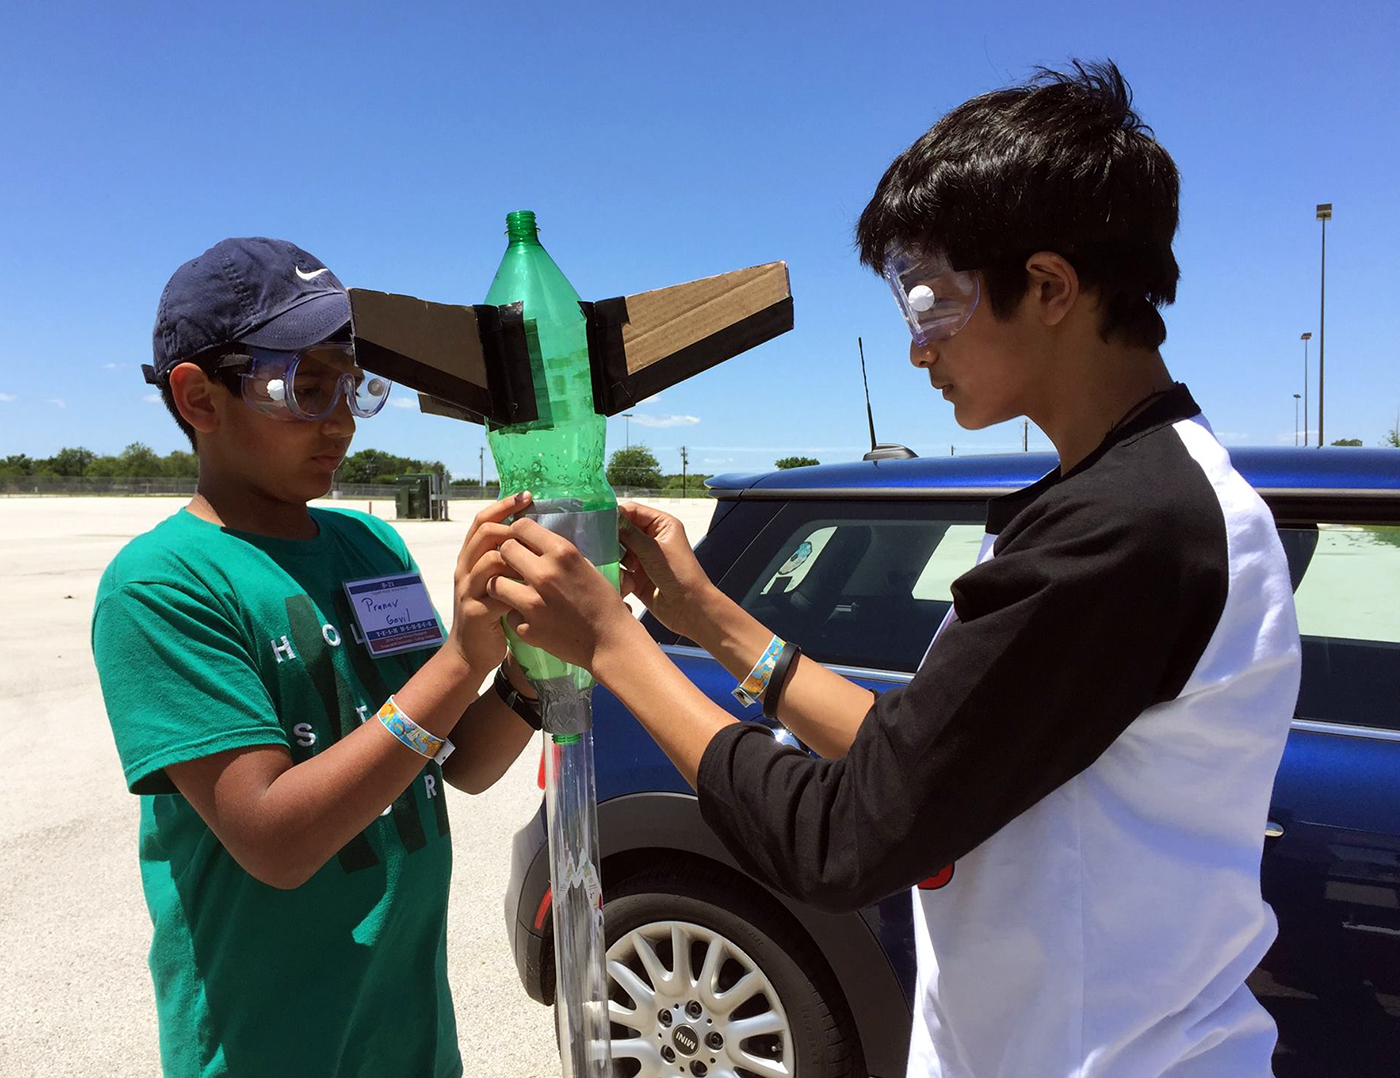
[75, 993]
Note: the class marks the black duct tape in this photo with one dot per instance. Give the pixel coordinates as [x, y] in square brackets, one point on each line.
[606, 354]
[506, 346]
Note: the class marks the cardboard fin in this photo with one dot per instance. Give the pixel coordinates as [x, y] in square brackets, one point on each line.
[644, 343]
[473, 358]
[430, 405]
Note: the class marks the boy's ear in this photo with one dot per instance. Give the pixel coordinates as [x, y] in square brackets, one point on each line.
[1053, 286]
[193, 393]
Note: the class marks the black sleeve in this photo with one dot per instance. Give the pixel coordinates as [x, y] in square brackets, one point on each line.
[1082, 620]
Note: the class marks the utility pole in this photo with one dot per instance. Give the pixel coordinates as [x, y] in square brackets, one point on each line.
[481, 479]
[1305, 339]
[1324, 214]
[685, 459]
[1025, 435]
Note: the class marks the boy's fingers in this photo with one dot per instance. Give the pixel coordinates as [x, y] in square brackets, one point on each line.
[492, 516]
[533, 534]
[641, 517]
[512, 593]
[497, 511]
[487, 537]
[494, 608]
[489, 565]
[521, 560]
[636, 582]
[636, 543]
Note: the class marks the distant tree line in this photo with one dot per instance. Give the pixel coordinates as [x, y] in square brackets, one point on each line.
[376, 466]
[140, 461]
[136, 461]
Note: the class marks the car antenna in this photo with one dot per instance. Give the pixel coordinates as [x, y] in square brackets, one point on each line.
[869, 415]
[878, 450]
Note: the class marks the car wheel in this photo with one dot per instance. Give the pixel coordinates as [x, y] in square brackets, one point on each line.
[710, 978]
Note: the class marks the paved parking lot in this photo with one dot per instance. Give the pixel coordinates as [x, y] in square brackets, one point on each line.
[76, 995]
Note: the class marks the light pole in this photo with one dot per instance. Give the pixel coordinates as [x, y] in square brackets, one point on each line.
[628, 428]
[1295, 418]
[1305, 339]
[1324, 214]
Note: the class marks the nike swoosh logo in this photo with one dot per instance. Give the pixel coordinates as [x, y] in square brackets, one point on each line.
[311, 276]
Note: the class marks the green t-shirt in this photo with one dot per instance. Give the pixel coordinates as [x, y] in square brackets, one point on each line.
[208, 639]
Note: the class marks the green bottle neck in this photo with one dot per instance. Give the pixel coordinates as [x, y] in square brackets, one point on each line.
[521, 229]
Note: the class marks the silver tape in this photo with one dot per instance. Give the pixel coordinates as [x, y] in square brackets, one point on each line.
[594, 532]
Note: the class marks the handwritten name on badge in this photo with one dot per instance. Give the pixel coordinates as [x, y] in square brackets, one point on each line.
[394, 613]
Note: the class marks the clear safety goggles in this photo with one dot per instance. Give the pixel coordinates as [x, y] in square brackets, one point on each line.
[306, 385]
[935, 299]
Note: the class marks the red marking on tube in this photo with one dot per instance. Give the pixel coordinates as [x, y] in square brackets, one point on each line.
[541, 778]
[937, 880]
[543, 911]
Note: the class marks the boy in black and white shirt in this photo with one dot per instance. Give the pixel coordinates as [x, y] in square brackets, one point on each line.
[1088, 748]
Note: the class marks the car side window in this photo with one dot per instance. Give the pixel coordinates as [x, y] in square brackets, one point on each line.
[1348, 606]
[863, 584]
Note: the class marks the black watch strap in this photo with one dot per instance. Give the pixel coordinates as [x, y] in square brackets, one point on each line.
[528, 710]
[781, 669]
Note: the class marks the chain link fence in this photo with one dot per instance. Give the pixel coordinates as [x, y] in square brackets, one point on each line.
[72, 486]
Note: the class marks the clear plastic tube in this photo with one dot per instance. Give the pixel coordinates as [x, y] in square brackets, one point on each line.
[571, 809]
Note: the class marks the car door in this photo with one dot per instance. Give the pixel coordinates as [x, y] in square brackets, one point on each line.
[1331, 866]
[862, 585]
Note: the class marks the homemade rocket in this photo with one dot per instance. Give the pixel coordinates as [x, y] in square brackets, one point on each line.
[542, 370]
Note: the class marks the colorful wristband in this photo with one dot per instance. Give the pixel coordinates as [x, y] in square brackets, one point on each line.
[749, 691]
[409, 732]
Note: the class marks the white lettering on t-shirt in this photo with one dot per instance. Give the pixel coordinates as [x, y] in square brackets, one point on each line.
[331, 636]
[362, 712]
[306, 737]
[283, 651]
[430, 784]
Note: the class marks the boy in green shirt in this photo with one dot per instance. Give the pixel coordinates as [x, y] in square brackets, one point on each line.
[294, 842]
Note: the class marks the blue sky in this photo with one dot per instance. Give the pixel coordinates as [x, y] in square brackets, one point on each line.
[659, 143]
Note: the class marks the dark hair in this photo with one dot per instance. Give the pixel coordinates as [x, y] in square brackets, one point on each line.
[207, 361]
[1061, 163]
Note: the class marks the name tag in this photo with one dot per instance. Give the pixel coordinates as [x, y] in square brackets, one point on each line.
[394, 613]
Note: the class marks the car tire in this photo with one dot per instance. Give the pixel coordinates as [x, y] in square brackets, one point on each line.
[753, 991]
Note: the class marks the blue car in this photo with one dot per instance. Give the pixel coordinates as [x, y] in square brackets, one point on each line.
[713, 973]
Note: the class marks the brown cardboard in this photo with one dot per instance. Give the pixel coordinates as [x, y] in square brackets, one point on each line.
[431, 347]
[662, 322]
[473, 363]
[644, 343]
[430, 405]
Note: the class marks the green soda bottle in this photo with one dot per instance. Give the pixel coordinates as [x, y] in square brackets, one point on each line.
[559, 456]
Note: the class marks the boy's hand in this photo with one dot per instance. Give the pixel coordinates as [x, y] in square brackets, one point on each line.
[558, 599]
[659, 566]
[477, 636]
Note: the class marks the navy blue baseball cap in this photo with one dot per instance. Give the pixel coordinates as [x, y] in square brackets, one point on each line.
[257, 291]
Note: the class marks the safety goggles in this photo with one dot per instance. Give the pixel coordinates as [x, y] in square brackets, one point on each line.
[935, 299]
[305, 385]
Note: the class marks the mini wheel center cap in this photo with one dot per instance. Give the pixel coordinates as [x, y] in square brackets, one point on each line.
[687, 1041]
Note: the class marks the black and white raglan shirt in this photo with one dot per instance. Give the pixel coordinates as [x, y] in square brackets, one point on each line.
[1090, 745]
